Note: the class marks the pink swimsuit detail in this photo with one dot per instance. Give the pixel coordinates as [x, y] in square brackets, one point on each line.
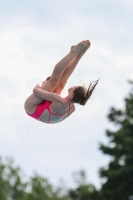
[46, 106]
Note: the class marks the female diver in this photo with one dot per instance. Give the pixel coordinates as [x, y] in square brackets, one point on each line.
[45, 103]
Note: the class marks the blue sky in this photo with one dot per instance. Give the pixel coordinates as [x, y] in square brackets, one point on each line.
[34, 36]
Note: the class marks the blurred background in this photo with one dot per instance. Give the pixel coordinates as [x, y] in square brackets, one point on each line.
[34, 36]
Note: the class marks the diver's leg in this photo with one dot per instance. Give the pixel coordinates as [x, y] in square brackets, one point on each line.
[61, 66]
[51, 83]
[69, 70]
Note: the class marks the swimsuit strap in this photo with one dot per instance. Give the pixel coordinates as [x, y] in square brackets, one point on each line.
[48, 108]
[48, 103]
[69, 107]
[49, 117]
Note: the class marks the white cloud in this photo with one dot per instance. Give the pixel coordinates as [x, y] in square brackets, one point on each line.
[127, 4]
[124, 61]
[131, 77]
[10, 53]
[91, 108]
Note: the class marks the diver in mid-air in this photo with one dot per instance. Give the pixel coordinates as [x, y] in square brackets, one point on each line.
[45, 103]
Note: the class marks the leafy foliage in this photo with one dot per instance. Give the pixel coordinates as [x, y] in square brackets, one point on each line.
[119, 174]
[83, 191]
[13, 188]
[11, 185]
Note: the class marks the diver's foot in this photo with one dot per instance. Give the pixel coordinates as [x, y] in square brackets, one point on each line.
[83, 52]
[76, 49]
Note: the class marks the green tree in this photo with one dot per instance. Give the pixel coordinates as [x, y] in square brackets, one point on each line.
[118, 176]
[41, 189]
[11, 185]
[83, 190]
